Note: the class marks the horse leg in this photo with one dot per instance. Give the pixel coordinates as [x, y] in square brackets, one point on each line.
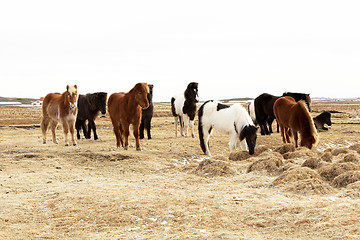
[78, 127]
[176, 124]
[232, 143]
[287, 135]
[192, 128]
[295, 137]
[148, 127]
[93, 127]
[65, 131]
[44, 126]
[206, 138]
[136, 135]
[186, 125]
[181, 125]
[282, 128]
[53, 125]
[270, 121]
[116, 128]
[72, 132]
[125, 133]
[141, 129]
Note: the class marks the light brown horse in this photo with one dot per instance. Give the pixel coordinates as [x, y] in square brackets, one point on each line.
[293, 117]
[125, 109]
[60, 107]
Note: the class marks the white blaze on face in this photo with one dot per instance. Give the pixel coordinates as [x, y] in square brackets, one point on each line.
[72, 89]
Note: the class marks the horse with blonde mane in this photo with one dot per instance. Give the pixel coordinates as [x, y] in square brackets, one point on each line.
[293, 117]
[125, 109]
[60, 107]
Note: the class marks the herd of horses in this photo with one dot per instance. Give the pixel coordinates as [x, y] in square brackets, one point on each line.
[291, 111]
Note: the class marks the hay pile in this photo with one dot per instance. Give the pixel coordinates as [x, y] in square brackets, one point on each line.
[300, 153]
[327, 157]
[338, 151]
[270, 162]
[244, 155]
[289, 147]
[313, 163]
[351, 157]
[331, 171]
[355, 147]
[303, 180]
[346, 178]
[214, 168]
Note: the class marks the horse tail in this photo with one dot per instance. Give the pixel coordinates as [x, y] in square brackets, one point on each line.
[173, 110]
[200, 127]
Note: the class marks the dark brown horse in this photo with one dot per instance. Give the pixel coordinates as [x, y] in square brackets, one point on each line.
[293, 117]
[60, 107]
[125, 109]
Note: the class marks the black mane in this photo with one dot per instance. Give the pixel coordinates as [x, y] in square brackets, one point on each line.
[147, 115]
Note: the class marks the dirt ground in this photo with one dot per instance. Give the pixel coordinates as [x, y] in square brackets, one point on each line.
[171, 190]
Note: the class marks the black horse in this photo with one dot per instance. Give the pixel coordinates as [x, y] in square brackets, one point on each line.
[320, 120]
[147, 115]
[89, 106]
[264, 109]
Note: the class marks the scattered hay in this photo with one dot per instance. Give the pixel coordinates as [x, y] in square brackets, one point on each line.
[300, 153]
[244, 155]
[331, 171]
[355, 147]
[303, 180]
[313, 163]
[346, 178]
[300, 173]
[338, 151]
[351, 157]
[289, 147]
[270, 164]
[327, 157]
[239, 156]
[310, 186]
[214, 168]
[352, 190]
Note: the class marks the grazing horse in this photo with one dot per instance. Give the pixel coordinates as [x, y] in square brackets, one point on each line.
[264, 112]
[293, 117]
[320, 120]
[183, 107]
[89, 106]
[233, 120]
[147, 115]
[125, 109]
[60, 107]
[299, 96]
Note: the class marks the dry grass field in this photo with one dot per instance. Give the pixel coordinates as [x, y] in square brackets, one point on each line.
[171, 190]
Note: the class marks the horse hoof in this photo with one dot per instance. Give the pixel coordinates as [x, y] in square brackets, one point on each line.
[125, 148]
[138, 149]
[66, 144]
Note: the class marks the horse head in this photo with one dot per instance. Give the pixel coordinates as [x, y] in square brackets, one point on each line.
[141, 91]
[191, 92]
[150, 94]
[309, 141]
[71, 93]
[249, 133]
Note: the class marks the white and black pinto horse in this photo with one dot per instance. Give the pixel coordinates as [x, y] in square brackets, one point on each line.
[233, 120]
[183, 107]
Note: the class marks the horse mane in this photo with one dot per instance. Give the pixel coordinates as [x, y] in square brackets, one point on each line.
[308, 121]
[139, 86]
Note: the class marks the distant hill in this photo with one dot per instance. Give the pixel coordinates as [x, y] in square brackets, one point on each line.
[22, 100]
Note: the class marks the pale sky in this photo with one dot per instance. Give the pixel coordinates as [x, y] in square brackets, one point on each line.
[232, 48]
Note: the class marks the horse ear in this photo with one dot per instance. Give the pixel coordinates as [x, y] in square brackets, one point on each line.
[67, 87]
[75, 86]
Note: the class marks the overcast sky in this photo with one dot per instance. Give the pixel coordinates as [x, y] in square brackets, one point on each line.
[232, 48]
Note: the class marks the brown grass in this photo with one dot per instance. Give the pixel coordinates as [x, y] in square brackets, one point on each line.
[96, 191]
[331, 171]
[270, 163]
[346, 178]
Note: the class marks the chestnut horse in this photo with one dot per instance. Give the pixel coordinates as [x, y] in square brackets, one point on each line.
[125, 109]
[60, 107]
[293, 117]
